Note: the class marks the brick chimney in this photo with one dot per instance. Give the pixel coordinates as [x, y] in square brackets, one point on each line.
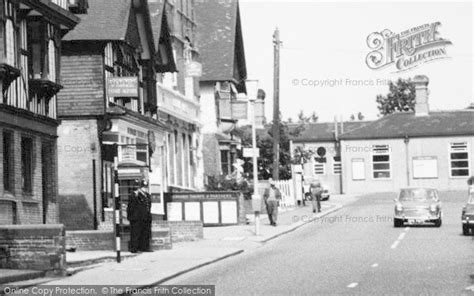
[421, 95]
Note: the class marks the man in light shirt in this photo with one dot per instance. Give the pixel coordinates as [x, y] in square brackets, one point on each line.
[272, 197]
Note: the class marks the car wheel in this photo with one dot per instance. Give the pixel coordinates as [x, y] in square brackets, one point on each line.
[438, 222]
[465, 230]
[397, 222]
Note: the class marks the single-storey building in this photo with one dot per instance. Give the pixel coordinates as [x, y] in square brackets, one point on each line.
[420, 148]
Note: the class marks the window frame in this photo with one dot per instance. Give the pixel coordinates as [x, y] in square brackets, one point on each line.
[450, 151]
[27, 164]
[226, 163]
[389, 162]
[8, 162]
[338, 164]
[323, 166]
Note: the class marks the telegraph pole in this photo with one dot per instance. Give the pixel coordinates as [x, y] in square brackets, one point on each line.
[276, 104]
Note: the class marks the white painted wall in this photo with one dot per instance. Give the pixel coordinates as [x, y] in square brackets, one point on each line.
[400, 166]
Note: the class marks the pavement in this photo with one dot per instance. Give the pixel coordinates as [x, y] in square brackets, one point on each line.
[148, 269]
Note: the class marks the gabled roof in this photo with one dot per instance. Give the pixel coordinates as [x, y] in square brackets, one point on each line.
[105, 20]
[406, 124]
[220, 40]
[323, 131]
[161, 35]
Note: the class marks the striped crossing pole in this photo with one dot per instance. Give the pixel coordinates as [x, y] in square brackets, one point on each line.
[117, 209]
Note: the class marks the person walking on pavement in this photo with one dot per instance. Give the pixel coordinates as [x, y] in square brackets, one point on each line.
[272, 197]
[139, 215]
[315, 191]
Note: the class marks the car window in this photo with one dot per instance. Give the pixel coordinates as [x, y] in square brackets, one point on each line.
[417, 194]
[471, 198]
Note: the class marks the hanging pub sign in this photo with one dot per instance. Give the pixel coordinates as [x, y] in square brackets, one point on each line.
[193, 69]
[122, 86]
[239, 109]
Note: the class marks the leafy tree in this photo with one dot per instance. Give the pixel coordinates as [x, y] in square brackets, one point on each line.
[302, 118]
[360, 116]
[353, 117]
[265, 144]
[401, 98]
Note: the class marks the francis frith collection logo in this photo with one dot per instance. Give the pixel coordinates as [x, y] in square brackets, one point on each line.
[407, 49]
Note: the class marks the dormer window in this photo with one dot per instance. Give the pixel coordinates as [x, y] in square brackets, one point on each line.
[78, 6]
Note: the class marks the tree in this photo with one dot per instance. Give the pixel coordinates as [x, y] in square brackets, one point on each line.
[353, 117]
[307, 119]
[360, 116]
[401, 98]
[265, 145]
[301, 117]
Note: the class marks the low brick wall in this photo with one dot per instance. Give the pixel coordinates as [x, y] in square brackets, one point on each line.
[94, 240]
[182, 231]
[33, 246]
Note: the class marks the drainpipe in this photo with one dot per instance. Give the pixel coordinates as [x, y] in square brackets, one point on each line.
[407, 156]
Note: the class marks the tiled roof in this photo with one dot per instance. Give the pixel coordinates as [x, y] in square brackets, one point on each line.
[323, 131]
[219, 33]
[156, 14]
[399, 125]
[105, 20]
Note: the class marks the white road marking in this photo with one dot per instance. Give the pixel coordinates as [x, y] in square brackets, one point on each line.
[395, 244]
[352, 285]
[407, 228]
[401, 236]
[375, 265]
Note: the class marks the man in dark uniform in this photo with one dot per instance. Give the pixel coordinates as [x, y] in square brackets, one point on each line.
[139, 215]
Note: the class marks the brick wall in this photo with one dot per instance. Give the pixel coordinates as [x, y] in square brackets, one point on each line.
[182, 230]
[17, 206]
[211, 155]
[179, 230]
[78, 146]
[75, 213]
[37, 247]
[93, 240]
[7, 212]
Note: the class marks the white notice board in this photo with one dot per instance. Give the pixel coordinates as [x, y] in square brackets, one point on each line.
[358, 169]
[425, 167]
[192, 211]
[210, 211]
[175, 211]
[229, 211]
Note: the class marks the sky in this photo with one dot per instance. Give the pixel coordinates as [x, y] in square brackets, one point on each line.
[323, 56]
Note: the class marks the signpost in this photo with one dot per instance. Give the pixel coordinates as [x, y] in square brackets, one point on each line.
[248, 152]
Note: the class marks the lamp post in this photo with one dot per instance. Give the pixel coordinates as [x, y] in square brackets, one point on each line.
[252, 90]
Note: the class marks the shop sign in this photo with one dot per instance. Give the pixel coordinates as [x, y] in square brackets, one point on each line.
[122, 86]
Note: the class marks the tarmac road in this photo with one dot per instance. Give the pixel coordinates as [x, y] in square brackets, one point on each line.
[355, 251]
